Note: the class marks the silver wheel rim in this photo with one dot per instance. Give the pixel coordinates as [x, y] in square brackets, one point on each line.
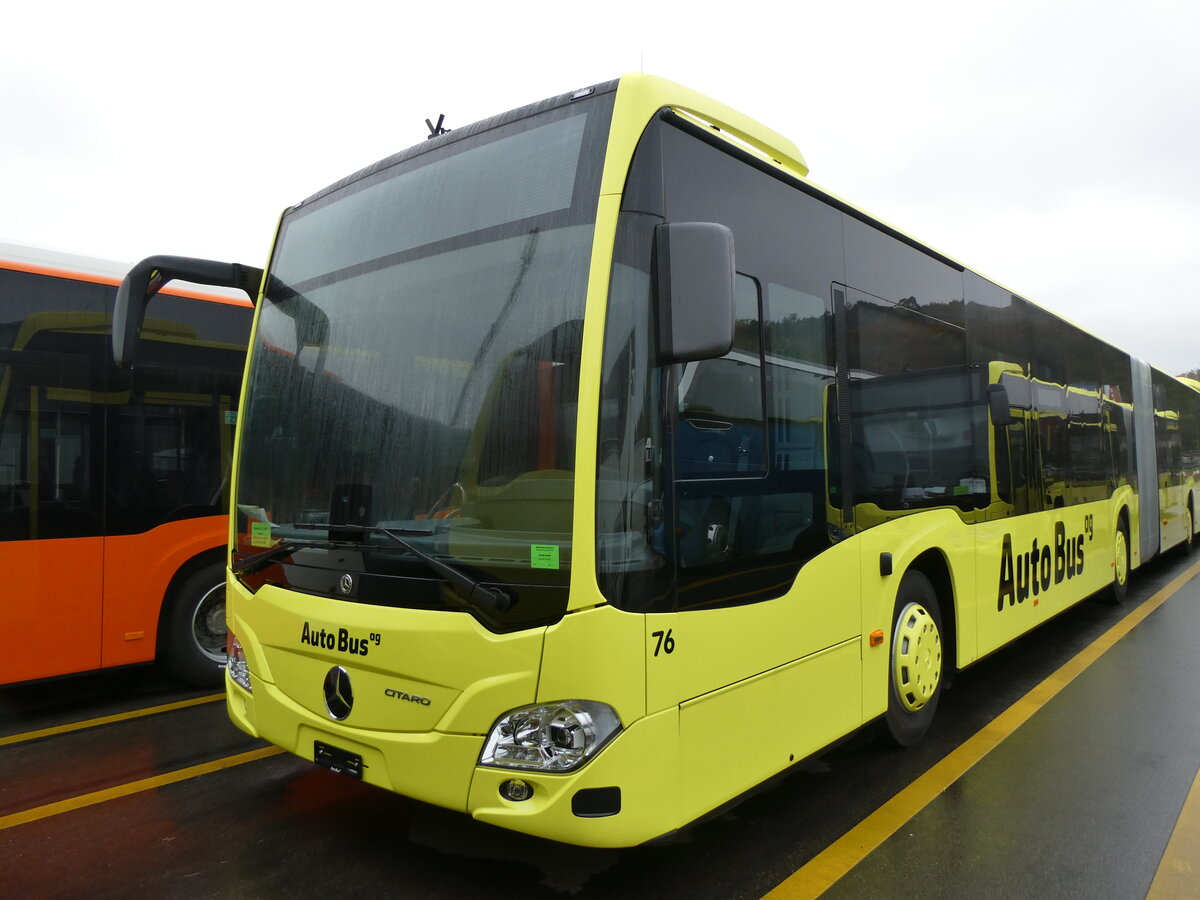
[208, 623]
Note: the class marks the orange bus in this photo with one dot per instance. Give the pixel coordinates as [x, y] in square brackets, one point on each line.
[114, 486]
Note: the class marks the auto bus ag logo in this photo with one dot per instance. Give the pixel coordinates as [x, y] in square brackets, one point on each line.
[341, 640]
[1041, 567]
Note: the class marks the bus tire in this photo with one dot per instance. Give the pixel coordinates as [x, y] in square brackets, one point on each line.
[1120, 583]
[192, 637]
[1189, 541]
[915, 664]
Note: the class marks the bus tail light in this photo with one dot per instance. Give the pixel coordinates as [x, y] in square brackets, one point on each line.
[235, 662]
[552, 737]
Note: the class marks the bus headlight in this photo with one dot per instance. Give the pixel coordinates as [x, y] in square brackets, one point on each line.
[550, 737]
[235, 662]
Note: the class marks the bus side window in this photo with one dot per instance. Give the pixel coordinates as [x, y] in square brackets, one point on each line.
[915, 418]
[52, 399]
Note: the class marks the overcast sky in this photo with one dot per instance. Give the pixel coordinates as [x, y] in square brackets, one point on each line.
[1052, 146]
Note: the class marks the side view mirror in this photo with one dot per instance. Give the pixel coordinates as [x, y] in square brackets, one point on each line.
[999, 406]
[695, 265]
[149, 276]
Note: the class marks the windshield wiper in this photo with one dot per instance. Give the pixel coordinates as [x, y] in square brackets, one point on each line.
[472, 590]
[258, 561]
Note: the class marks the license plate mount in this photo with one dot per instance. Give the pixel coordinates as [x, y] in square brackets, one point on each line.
[337, 760]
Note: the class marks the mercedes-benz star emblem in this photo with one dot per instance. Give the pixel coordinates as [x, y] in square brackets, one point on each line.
[339, 696]
[346, 584]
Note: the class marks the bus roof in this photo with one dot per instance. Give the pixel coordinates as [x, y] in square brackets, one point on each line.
[43, 261]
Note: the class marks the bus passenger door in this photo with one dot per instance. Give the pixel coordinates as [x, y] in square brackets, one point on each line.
[51, 503]
[749, 494]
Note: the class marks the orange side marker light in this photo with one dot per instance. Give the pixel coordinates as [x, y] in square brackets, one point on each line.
[876, 637]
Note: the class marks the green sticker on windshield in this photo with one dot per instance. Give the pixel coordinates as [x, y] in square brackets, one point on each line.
[260, 534]
[543, 556]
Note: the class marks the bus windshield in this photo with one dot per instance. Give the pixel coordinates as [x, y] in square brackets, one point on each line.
[416, 369]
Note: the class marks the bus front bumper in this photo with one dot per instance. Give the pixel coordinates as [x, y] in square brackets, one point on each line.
[626, 795]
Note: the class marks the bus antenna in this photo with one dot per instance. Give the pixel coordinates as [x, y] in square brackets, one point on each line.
[435, 130]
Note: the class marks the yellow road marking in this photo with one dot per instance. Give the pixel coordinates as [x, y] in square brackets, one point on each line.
[818, 874]
[133, 787]
[105, 720]
[1178, 875]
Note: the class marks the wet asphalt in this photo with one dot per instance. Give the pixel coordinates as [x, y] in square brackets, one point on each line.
[1080, 801]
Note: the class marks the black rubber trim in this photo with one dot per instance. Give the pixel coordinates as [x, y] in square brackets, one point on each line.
[596, 803]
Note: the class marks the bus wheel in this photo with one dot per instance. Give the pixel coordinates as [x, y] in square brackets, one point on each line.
[1189, 542]
[192, 639]
[1120, 582]
[915, 671]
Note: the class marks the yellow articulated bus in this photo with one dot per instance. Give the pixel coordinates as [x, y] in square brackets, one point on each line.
[595, 467]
